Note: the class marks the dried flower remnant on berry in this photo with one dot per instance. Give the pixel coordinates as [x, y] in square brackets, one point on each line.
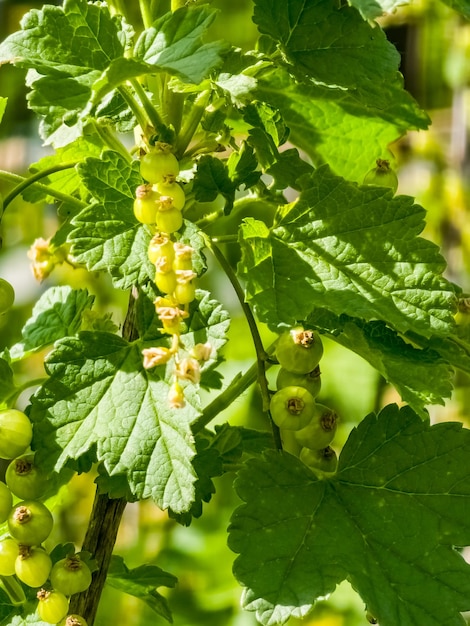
[156, 356]
[202, 351]
[189, 369]
[42, 257]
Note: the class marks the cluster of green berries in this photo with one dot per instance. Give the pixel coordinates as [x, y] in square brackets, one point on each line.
[307, 427]
[29, 524]
[159, 204]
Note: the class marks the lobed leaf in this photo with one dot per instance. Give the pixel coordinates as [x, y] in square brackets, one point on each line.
[332, 127]
[57, 314]
[388, 521]
[174, 44]
[348, 249]
[107, 236]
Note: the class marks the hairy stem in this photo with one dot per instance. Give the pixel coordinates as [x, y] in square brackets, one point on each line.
[149, 109]
[146, 12]
[104, 521]
[192, 122]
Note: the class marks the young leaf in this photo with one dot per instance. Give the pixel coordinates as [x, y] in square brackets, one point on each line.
[174, 44]
[370, 9]
[107, 235]
[388, 521]
[348, 249]
[99, 400]
[142, 582]
[55, 315]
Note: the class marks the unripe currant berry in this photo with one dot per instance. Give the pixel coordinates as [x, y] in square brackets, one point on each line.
[52, 606]
[6, 502]
[7, 296]
[32, 566]
[311, 381]
[16, 433]
[165, 281]
[74, 620]
[145, 204]
[183, 256]
[30, 522]
[299, 350]
[174, 191]
[292, 407]
[382, 175]
[71, 575]
[185, 289]
[9, 550]
[322, 461]
[160, 246]
[24, 479]
[320, 431]
[159, 165]
[169, 220]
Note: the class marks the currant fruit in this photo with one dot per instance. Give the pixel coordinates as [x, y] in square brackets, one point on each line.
[30, 522]
[8, 553]
[311, 381]
[32, 566]
[6, 502]
[16, 433]
[7, 296]
[52, 606]
[170, 220]
[24, 479]
[382, 175]
[157, 166]
[73, 620]
[71, 575]
[145, 205]
[165, 281]
[292, 407]
[174, 191]
[299, 350]
[289, 442]
[183, 257]
[320, 431]
[324, 461]
[160, 247]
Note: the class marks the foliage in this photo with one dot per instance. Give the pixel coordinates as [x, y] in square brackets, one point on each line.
[272, 145]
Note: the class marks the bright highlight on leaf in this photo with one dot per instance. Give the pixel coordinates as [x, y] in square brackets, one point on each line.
[390, 521]
[348, 249]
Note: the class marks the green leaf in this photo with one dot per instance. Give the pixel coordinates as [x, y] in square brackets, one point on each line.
[388, 521]
[99, 398]
[67, 49]
[55, 315]
[348, 249]
[332, 127]
[142, 582]
[175, 44]
[332, 46]
[420, 375]
[107, 236]
[66, 181]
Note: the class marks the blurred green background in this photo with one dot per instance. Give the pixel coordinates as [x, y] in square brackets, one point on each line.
[434, 167]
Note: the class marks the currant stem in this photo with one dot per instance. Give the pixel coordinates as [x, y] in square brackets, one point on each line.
[192, 122]
[110, 140]
[149, 109]
[146, 12]
[13, 590]
[105, 518]
[27, 182]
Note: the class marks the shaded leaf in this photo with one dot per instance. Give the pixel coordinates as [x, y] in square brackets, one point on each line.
[388, 521]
